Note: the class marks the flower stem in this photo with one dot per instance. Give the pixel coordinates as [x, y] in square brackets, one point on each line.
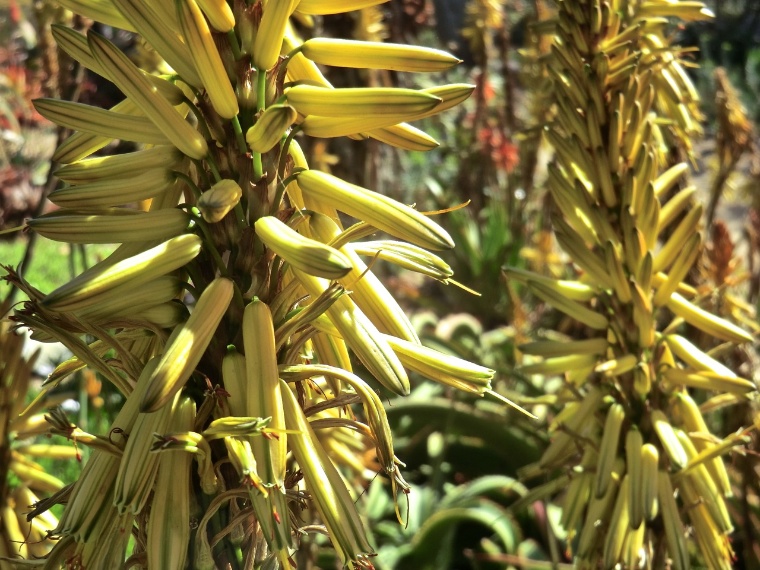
[190, 182]
[261, 94]
[201, 120]
[284, 151]
[218, 261]
[234, 45]
[239, 135]
[240, 216]
[213, 167]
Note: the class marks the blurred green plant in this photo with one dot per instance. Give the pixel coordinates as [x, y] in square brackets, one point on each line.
[461, 453]
[442, 526]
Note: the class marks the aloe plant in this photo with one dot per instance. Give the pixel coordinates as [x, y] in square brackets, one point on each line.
[631, 456]
[232, 312]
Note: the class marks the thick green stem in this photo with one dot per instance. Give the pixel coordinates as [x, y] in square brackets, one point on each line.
[240, 216]
[239, 138]
[190, 182]
[218, 261]
[261, 103]
[234, 44]
[214, 168]
[284, 151]
[202, 126]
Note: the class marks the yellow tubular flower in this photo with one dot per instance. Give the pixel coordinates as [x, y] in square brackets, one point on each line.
[236, 275]
[616, 80]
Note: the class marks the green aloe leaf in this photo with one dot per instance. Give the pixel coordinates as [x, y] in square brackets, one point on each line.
[429, 548]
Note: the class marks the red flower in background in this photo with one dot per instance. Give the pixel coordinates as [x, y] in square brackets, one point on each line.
[483, 88]
[14, 12]
[503, 152]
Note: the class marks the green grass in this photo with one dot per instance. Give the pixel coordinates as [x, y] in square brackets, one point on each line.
[51, 264]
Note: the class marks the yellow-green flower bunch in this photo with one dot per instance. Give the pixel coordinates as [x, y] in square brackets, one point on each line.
[22, 479]
[630, 449]
[232, 312]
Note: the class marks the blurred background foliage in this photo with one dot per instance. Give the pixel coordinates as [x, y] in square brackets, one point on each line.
[468, 507]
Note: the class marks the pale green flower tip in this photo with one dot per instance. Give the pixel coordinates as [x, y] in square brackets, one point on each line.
[511, 404]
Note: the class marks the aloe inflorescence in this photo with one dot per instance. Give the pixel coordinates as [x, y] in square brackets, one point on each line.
[235, 434]
[22, 479]
[631, 446]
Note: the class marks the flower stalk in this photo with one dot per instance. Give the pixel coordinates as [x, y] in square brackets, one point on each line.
[631, 436]
[221, 136]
